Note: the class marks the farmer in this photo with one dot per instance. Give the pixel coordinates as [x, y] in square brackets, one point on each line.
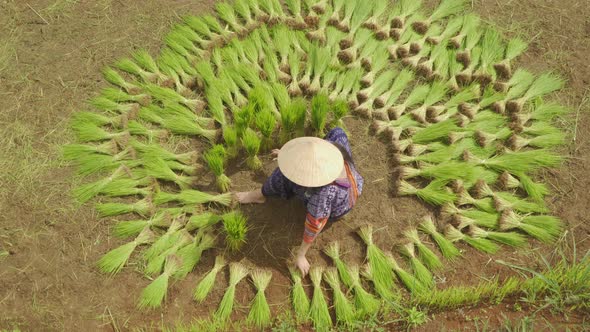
[321, 173]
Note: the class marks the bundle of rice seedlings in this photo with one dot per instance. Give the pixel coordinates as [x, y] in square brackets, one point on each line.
[485, 139]
[374, 21]
[237, 272]
[266, 122]
[215, 158]
[153, 295]
[129, 66]
[339, 110]
[509, 238]
[138, 129]
[380, 266]
[91, 132]
[505, 200]
[437, 92]
[168, 95]
[227, 14]
[389, 98]
[514, 48]
[350, 84]
[295, 68]
[320, 106]
[349, 54]
[147, 63]
[320, 61]
[119, 96]
[117, 121]
[116, 79]
[345, 314]
[191, 254]
[259, 315]
[206, 284]
[416, 96]
[536, 191]
[492, 49]
[470, 24]
[113, 261]
[200, 26]
[251, 143]
[127, 187]
[333, 251]
[421, 273]
[452, 27]
[536, 128]
[373, 60]
[446, 247]
[182, 45]
[174, 242]
[230, 138]
[368, 95]
[409, 281]
[242, 8]
[365, 303]
[449, 170]
[291, 119]
[544, 84]
[151, 149]
[235, 228]
[177, 67]
[480, 244]
[191, 197]
[318, 309]
[273, 9]
[159, 169]
[517, 162]
[142, 207]
[202, 221]
[353, 21]
[518, 84]
[542, 227]
[544, 141]
[319, 33]
[426, 255]
[298, 297]
[434, 193]
[215, 26]
[466, 76]
[185, 126]
[295, 20]
[414, 60]
[541, 113]
[72, 152]
[484, 204]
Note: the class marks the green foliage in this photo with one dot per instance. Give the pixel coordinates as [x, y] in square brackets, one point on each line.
[235, 228]
[251, 143]
[320, 106]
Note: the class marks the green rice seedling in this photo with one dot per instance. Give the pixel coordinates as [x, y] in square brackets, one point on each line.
[191, 197]
[429, 258]
[368, 95]
[227, 14]
[451, 29]
[178, 42]
[319, 33]
[215, 26]
[484, 139]
[178, 241]
[91, 132]
[480, 244]
[536, 128]
[434, 193]
[333, 251]
[508, 201]
[72, 152]
[151, 149]
[251, 143]
[517, 162]
[113, 261]
[439, 56]
[471, 23]
[138, 129]
[120, 96]
[542, 227]
[237, 272]
[536, 191]
[206, 284]
[318, 309]
[242, 8]
[413, 60]
[344, 22]
[259, 315]
[351, 85]
[405, 13]
[476, 217]
[514, 49]
[345, 314]
[202, 221]
[542, 113]
[320, 61]
[298, 297]
[515, 88]
[378, 61]
[544, 84]
[320, 106]
[244, 118]
[127, 187]
[421, 272]
[235, 228]
[288, 121]
[147, 63]
[117, 121]
[339, 110]
[163, 218]
[450, 170]
[417, 44]
[389, 98]
[143, 207]
[484, 204]
[350, 53]
[199, 25]
[374, 21]
[380, 267]
[295, 20]
[215, 158]
[153, 295]
[266, 123]
[416, 96]
[295, 69]
[230, 138]
[471, 59]
[454, 68]
[129, 66]
[409, 281]
[544, 141]
[190, 254]
[92, 163]
[492, 50]
[508, 238]
[116, 79]
[168, 95]
[365, 303]
[159, 169]
[446, 247]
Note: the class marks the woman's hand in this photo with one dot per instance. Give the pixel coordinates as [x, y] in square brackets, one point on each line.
[303, 264]
[275, 153]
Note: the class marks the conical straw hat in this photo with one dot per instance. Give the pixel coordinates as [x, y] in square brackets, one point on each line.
[310, 161]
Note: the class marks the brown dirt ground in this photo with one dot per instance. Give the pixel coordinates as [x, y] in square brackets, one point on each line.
[55, 51]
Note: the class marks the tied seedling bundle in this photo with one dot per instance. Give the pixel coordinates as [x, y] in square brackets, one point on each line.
[237, 272]
[259, 314]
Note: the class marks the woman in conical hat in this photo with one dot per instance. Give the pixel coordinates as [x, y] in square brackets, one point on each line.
[322, 174]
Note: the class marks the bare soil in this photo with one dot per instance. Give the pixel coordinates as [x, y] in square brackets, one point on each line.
[48, 278]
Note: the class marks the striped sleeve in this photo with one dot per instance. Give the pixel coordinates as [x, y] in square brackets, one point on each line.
[319, 208]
